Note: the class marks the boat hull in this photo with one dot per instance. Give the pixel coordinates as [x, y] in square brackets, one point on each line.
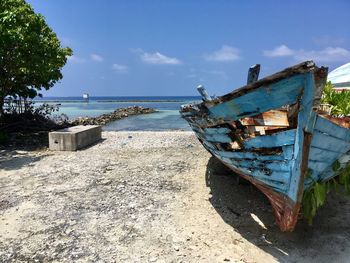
[270, 133]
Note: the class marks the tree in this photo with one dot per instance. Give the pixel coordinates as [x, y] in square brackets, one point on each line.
[31, 56]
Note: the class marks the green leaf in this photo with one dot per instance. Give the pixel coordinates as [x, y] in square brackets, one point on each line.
[320, 193]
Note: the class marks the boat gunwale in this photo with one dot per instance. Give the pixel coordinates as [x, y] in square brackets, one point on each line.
[301, 68]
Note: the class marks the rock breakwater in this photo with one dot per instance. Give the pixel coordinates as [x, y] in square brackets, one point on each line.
[115, 115]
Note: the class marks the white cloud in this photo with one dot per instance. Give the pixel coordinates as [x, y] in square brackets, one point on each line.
[281, 51]
[120, 69]
[96, 58]
[226, 53]
[75, 59]
[158, 58]
[329, 54]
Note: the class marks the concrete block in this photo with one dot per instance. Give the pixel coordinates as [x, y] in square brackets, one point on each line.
[74, 138]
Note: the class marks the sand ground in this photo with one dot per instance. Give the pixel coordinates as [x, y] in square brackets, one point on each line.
[149, 197]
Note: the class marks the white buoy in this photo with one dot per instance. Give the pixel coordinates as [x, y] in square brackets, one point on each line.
[86, 96]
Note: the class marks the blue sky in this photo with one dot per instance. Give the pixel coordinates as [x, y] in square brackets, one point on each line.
[164, 48]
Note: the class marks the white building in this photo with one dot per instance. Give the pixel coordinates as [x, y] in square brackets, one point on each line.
[340, 77]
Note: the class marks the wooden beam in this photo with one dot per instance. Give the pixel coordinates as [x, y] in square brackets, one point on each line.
[253, 73]
[269, 118]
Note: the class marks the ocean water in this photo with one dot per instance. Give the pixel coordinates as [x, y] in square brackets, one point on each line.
[167, 116]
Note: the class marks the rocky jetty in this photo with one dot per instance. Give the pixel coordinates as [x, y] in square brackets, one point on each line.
[115, 115]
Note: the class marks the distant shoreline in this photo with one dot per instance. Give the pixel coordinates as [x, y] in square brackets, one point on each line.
[125, 101]
[118, 99]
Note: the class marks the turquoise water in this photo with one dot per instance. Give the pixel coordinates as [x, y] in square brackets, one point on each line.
[159, 121]
[167, 117]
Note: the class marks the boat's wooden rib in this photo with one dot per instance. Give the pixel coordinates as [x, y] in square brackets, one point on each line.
[281, 151]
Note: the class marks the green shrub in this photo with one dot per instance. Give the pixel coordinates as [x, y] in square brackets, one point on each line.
[339, 101]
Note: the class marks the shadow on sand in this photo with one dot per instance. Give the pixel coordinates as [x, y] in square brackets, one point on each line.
[247, 210]
[16, 159]
[16, 156]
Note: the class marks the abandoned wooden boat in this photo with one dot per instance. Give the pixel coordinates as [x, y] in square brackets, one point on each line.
[273, 133]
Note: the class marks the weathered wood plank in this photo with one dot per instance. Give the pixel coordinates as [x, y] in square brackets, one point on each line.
[270, 141]
[209, 146]
[253, 156]
[287, 73]
[269, 118]
[341, 121]
[278, 166]
[213, 134]
[211, 131]
[321, 155]
[221, 138]
[276, 180]
[310, 180]
[266, 98]
[203, 93]
[319, 166]
[196, 128]
[253, 73]
[288, 151]
[332, 129]
[326, 174]
[326, 142]
[253, 130]
[187, 114]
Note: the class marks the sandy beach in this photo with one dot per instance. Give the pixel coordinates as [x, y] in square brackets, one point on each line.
[149, 197]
